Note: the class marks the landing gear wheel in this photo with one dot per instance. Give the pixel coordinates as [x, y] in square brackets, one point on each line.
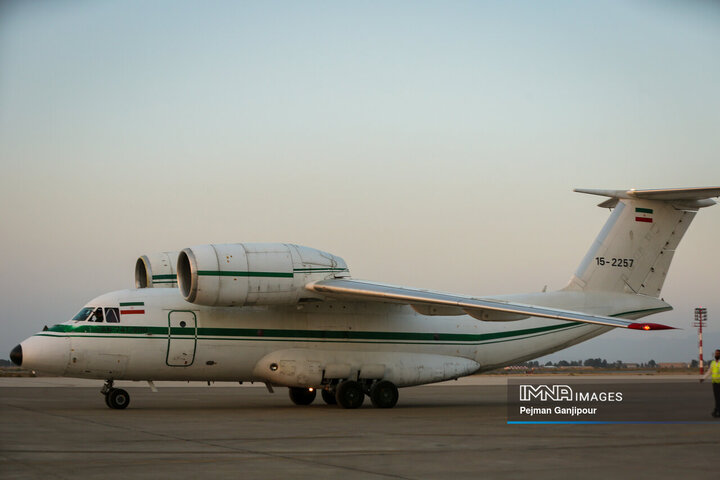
[384, 394]
[302, 396]
[117, 398]
[349, 394]
[328, 397]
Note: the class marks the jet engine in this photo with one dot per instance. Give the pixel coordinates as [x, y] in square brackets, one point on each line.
[241, 274]
[156, 270]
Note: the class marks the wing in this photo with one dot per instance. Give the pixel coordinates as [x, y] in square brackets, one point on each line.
[370, 291]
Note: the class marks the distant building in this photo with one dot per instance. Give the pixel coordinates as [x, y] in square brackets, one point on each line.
[522, 368]
[631, 365]
[672, 365]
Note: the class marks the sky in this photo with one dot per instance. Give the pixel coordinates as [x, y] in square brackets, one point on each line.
[429, 144]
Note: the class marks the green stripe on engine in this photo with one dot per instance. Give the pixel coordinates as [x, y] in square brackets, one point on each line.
[164, 276]
[219, 273]
[320, 269]
[216, 273]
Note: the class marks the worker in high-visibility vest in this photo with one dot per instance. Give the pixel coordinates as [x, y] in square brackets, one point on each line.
[714, 372]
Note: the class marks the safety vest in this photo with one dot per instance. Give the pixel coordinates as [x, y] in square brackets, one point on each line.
[715, 371]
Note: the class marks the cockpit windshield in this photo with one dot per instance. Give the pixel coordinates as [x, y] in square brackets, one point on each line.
[96, 314]
[83, 314]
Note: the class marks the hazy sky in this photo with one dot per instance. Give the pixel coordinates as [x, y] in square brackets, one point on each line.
[432, 144]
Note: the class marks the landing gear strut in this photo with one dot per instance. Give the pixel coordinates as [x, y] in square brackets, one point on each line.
[115, 398]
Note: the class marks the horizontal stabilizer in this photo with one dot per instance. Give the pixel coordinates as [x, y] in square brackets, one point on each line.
[700, 195]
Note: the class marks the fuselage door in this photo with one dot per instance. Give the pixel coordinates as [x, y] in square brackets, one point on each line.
[182, 338]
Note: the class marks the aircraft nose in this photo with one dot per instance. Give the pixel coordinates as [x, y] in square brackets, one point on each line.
[16, 356]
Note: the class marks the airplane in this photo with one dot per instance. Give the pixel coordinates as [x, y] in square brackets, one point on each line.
[292, 316]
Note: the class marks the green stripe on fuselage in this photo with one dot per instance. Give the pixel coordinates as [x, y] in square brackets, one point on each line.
[263, 334]
[309, 335]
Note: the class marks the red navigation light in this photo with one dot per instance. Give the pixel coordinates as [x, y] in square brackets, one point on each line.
[649, 326]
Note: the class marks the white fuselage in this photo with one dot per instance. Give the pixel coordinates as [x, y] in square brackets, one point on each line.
[176, 340]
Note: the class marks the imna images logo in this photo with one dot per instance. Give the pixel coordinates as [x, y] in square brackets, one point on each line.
[564, 393]
[544, 393]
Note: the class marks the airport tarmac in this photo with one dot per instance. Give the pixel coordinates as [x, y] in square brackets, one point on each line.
[446, 431]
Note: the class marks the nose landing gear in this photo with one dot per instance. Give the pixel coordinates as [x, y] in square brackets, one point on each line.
[115, 398]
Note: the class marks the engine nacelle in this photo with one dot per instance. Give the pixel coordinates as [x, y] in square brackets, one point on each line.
[241, 274]
[156, 270]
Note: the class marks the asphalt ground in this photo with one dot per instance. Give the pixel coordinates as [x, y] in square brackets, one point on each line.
[446, 432]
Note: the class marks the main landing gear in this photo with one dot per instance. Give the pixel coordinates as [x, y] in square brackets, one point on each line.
[115, 398]
[328, 397]
[384, 394]
[349, 394]
[302, 396]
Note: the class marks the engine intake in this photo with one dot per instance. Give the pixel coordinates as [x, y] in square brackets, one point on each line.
[156, 270]
[242, 274]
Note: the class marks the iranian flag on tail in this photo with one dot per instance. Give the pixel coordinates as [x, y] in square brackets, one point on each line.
[132, 308]
[643, 215]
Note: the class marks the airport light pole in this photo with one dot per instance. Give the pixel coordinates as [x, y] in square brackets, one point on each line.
[700, 322]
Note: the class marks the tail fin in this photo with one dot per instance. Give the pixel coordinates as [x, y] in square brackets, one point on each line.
[633, 251]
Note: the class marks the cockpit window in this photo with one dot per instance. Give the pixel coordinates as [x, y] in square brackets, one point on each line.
[112, 315]
[83, 314]
[97, 315]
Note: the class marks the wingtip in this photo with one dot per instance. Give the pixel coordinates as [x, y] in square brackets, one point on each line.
[649, 326]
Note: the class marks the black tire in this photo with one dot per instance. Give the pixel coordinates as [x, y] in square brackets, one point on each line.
[117, 398]
[107, 402]
[328, 397]
[302, 396]
[349, 394]
[384, 394]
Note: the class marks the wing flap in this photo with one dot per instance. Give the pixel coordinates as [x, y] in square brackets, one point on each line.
[370, 291]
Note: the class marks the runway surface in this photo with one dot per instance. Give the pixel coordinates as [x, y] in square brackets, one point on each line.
[444, 432]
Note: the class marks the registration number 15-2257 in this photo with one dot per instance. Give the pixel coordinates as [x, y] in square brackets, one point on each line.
[614, 262]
